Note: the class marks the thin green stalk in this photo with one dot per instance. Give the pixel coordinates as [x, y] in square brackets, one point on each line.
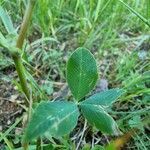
[25, 24]
[21, 74]
[17, 58]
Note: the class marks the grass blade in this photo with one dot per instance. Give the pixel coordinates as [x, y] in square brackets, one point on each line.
[6, 21]
[136, 13]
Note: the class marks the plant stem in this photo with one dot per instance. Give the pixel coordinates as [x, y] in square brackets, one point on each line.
[21, 74]
[25, 24]
[17, 58]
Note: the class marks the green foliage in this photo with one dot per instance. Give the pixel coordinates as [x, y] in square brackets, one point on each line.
[44, 147]
[6, 21]
[105, 98]
[136, 122]
[98, 147]
[58, 118]
[47, 87]
[85, 24]
[93, 108]
[136, 13]
[97, 116]
[81, 73]
[111, 146]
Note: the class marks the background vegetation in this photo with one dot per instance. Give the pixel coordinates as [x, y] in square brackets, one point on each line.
[118, 37]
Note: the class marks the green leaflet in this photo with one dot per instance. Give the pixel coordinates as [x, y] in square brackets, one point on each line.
[59, 118]
[105, 98]
[96, 115]
[81, 73]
